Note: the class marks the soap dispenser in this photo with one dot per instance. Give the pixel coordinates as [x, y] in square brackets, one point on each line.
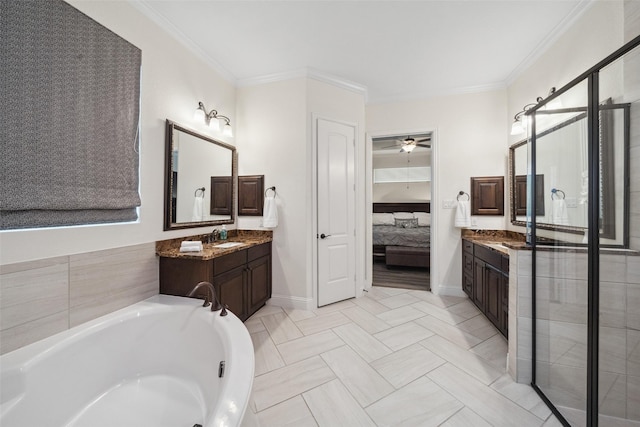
[223, 233]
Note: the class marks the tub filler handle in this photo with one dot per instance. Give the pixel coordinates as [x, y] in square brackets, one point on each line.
[210, 297]
[221, 369]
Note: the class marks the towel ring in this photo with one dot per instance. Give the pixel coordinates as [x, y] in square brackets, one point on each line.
[462, 193]
[270, 188]
[195, 193]
[555, 191]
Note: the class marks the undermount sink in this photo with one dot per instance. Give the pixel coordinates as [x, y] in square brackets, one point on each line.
[228, 245]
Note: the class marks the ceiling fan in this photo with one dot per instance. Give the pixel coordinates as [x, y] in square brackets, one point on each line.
[409, 143]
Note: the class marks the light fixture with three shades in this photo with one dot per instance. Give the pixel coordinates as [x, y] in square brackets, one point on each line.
[212, 119]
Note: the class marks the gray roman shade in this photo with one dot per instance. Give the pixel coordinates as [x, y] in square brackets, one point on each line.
[69, 113]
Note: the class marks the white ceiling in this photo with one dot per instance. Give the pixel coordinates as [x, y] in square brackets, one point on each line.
[395, 49]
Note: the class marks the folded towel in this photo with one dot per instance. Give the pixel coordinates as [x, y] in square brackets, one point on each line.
[197, 209]
[463, 214]
[270, 216]
[197, 243]
[559, 214]
[190, 249]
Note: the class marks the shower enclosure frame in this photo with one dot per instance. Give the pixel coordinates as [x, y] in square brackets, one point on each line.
[593, 247]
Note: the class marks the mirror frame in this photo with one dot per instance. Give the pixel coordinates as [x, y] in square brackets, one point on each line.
[608, 200]
[168, 181]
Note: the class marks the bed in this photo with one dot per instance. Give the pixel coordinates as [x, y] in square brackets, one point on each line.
[402, 233]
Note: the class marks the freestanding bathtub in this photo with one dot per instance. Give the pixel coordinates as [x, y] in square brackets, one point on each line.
[155, 363]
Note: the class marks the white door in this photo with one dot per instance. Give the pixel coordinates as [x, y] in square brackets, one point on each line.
[336, 212]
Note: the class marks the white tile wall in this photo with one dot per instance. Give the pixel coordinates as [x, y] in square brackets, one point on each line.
[41, 298]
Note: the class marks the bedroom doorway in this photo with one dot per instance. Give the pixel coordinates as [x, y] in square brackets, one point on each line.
[401, 220]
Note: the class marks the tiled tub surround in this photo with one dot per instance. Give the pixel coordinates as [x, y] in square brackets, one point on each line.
[41, 298]
[561, 277]
[171, 248]
[391, 357]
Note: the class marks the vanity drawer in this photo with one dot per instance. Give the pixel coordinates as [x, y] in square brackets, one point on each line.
[256, 252]
[467, 246]
[489, 256]
[229, 262]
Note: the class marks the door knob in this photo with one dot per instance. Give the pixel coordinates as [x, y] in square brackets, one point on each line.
[324, 236]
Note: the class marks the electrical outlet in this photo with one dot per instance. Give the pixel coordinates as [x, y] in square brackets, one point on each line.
[448, 204]
[572, 202]
[474, 221]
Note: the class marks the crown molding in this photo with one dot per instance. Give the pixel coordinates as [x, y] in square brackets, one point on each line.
[309, 73]
[417, 96]
[165, 24]
[550, 39]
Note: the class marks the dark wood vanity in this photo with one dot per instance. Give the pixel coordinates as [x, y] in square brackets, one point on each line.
[485, 279]
[241, 275]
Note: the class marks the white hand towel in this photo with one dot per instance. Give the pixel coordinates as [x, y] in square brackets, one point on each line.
[185, 243]
[188, 246]
[463, 214]
[559, 214]
[270, 216]
[197, 208]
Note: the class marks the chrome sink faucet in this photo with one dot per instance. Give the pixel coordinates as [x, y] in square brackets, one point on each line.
[210, 297]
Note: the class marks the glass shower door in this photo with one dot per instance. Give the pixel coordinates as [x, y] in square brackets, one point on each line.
[561, 338]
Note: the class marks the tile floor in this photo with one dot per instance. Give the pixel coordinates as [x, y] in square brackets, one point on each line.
[394, 357]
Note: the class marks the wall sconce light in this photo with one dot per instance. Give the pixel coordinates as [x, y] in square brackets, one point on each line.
[519, 124]
[212, 119]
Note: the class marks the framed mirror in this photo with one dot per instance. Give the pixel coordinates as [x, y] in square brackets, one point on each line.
[562, 172]
[200, 179]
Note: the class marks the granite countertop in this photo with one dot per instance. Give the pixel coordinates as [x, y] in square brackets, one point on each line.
[499, 240]
[503, 240]
[248, 238]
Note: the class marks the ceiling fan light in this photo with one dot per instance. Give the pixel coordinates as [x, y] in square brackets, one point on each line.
[408, 148]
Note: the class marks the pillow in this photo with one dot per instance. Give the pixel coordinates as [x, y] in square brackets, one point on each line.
[424, 219]
[402, 215]
[407, 223]
[383, 219]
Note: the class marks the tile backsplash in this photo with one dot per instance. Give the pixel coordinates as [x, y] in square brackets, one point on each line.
[41, 298]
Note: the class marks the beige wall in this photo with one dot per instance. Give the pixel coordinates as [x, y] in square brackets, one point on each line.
[276, 139]
[470, 140]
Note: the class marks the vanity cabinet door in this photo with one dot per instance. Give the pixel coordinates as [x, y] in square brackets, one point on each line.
[493, 284]
[259, 282]
[485, 278]
[231, 289]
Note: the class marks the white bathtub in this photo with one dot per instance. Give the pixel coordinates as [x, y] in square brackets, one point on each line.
[154, 363]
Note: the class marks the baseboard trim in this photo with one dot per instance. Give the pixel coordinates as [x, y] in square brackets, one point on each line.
[287, 301]
[452, 291]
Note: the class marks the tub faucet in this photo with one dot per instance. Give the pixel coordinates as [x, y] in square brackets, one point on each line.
[210, 297]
